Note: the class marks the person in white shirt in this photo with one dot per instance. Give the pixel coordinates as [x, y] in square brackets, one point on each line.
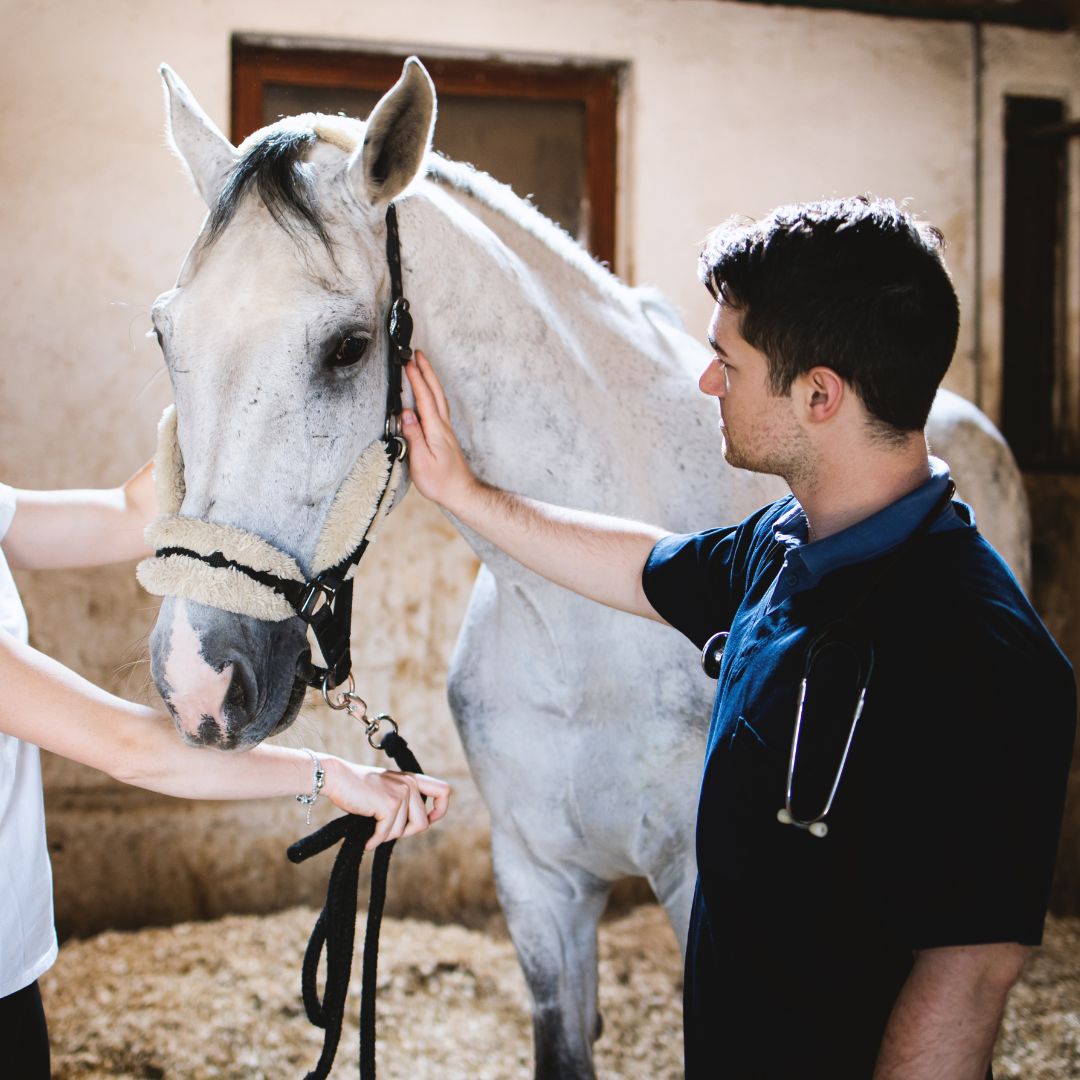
[44, 704]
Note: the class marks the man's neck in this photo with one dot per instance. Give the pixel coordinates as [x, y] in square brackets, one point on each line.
[851, 487]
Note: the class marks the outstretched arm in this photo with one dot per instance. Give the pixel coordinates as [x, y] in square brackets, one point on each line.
[52, 530]
[947, 1014]
[597, 556]
[49, 705]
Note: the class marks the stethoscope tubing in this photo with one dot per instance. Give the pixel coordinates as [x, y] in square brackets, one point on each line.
[713, 651]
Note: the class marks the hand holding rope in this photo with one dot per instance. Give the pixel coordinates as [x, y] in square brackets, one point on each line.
[335, 928]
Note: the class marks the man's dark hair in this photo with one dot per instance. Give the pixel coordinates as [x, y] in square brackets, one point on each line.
[857, 285]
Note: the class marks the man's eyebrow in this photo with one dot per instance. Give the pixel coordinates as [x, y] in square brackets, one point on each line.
[716, 347]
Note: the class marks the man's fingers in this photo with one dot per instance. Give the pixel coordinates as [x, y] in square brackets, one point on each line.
[433, 384]
[426, 407]
[413, 431]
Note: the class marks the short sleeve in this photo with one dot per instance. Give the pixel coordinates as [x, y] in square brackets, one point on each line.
[7, 508]
[970, 812]
[697, 581]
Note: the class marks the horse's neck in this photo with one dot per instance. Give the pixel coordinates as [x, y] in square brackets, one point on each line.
[561, 387]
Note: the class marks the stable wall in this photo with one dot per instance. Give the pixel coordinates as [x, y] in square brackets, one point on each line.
[727, 108]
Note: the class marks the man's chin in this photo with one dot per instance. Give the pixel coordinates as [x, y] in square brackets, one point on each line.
[736, 460]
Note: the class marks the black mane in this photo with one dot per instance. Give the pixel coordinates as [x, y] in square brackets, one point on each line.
[274, 165]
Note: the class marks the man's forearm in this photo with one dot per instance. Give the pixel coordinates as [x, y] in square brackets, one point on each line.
[946, 1017]
[597, 556]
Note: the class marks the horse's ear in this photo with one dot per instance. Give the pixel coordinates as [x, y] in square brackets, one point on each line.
[207, 155]
[397, 138]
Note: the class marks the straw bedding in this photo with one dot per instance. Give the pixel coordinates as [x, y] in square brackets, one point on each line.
[221, 999]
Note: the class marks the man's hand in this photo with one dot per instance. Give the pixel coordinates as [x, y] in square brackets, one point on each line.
[436, 464]
[596, 556]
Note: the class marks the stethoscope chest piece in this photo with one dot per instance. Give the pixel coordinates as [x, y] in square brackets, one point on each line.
[713, 654]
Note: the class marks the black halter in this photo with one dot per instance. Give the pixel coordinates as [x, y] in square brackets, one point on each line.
[325, 601]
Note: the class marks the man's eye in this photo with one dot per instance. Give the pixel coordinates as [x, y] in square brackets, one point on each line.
[351, 349]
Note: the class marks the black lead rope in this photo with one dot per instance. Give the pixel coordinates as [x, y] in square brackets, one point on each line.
[335, 928]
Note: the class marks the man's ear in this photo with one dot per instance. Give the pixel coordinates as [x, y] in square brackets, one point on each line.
[822, 392]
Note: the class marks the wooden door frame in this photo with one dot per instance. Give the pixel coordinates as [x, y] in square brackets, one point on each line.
[258, 61]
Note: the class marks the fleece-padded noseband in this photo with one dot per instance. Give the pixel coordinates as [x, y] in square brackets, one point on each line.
[232, 569]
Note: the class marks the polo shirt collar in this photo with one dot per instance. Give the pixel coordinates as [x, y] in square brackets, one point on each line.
[807, 563]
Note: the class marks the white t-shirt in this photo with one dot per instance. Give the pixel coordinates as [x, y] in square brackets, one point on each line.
[27, 932]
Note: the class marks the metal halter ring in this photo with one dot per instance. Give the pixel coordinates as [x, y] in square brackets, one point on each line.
[373, 727]
[347, 701]
[343, 701]
[395, 437]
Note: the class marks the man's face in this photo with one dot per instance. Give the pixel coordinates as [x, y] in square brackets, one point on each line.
[759, 428]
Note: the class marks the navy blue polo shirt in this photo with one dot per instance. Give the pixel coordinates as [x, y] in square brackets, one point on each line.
[945, 822]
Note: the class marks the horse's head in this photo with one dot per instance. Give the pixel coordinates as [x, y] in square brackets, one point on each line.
[274, 339]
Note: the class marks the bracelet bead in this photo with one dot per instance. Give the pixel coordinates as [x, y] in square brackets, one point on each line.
[318, 778]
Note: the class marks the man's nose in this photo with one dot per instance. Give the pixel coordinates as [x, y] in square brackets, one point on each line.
[711, 381]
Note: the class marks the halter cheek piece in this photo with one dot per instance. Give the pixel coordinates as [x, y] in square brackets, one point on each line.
[226, 567]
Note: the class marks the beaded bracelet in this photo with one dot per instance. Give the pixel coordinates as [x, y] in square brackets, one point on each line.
[318, 777]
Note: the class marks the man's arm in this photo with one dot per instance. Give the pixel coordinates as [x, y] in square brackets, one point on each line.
[947, 1014]
[52, 530]
[596, 556]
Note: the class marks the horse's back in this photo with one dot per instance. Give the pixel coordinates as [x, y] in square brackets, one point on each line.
[987, 477]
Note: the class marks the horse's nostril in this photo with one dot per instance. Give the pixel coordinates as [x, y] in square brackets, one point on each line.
[241, 698]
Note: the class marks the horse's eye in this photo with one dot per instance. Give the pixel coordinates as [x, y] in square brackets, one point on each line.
[351, 349]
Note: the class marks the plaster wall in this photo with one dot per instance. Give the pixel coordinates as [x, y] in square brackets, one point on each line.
[727, 108]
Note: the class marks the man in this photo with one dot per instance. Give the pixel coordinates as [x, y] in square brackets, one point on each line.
[870, 880]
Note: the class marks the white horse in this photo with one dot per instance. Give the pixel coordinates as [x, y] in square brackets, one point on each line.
[583, 727]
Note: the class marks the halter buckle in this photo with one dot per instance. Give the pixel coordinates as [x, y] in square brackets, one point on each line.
[401, 329]
[318, 594]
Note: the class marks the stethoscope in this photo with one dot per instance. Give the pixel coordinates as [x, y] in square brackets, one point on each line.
[844, 632]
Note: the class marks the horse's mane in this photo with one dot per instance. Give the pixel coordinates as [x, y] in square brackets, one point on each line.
[500, 197]
[272, 161]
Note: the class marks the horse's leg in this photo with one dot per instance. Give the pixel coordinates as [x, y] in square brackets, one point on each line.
[673, 885]
[552, 913]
